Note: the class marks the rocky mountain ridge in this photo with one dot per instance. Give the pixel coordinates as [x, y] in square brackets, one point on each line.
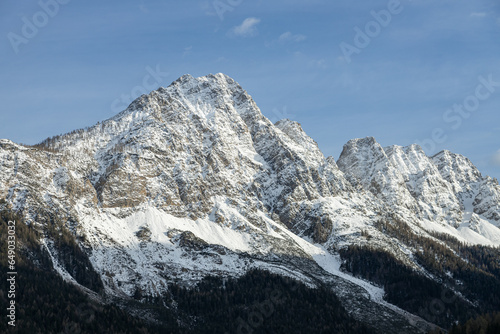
[192, 180]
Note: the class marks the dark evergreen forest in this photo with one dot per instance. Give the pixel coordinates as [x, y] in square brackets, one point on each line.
[465, 279]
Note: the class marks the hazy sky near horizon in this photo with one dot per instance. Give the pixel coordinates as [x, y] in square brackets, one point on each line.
[404, 72]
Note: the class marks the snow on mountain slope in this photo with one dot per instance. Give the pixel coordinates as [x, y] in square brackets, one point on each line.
[446, 189]
[433, 195]
[198, 149]
[468, 183]
[365, 162]
[192, 180]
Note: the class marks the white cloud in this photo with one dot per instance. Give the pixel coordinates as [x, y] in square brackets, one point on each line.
[478, 14]
[288, 36]
[247, 28]
[495, 159]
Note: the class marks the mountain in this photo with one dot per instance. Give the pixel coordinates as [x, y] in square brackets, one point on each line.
[192, 181]
[445, 193]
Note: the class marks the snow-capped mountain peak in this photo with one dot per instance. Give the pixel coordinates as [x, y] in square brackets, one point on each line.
[193, 179]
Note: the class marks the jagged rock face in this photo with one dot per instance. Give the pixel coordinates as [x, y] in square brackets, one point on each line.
[366, 163]
[179, 146]
[199, 149]
[470, 185]
[433, 195]
[192, 180]
[202, 144]
[446, 189]
[31, 179]
[457, 169]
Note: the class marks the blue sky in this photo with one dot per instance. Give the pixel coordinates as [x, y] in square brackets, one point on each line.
[425, 71]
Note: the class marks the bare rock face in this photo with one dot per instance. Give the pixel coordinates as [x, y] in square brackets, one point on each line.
[479, 194]
[192, 180]
[365, 162]
[446, 189]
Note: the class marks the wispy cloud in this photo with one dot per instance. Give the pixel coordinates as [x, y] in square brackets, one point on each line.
[478, 14]
[288, 36]
[187, 51]
[247, 28]
[495, 159]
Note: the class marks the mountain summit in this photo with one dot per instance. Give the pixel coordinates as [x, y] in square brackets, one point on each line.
[192, 180]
